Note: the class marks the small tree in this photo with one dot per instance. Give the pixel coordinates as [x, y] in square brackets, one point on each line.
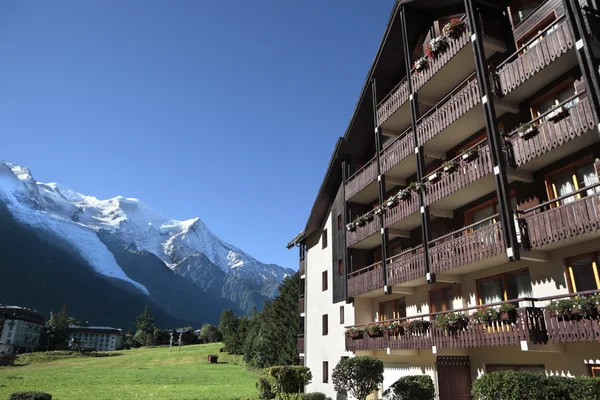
[287, 381]
[415, 387]
[210, 334]
[359, 376]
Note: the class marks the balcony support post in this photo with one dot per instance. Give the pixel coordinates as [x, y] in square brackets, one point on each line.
[345, 220]
[419, 149]
[495, 142]
[585, 55]
[380, 183]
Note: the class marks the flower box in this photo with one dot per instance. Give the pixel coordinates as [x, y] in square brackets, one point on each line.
[404, 194]
[379, 210]
[355, 333]
[558, 114]
[527, 131]
[391, 202]
[508, 313]
[369, 217]
[375, 331]
[435, 177]
[417, 187]
[450, 166]
[470, 155]
[422, 64]
[361, 222]
[437, 46]
[455, 28]
[351, 227]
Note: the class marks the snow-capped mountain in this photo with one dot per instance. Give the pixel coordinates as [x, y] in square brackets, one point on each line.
[81, 222]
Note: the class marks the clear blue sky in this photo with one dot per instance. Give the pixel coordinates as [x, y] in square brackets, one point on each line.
[225, 110]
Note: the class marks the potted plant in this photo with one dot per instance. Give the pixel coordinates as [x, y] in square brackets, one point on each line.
[587, 307]
[451, 322]
[394, 328]
[455, 28]
[485, 315]
[391, 202]
[351, 227]
[355, 333]
[450, 166]
[469, 155]
[417, 326]
[437, 46]
[508, 312]
[369, 216]
[361, 221]
[404, 194]
[421, 64]
[378, 210]
[417, 187]
[375, 331]
[434, 177]
[527, 131]
[562, 309]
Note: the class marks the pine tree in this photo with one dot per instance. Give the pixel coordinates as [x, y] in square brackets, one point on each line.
[58, 327]
[145, 324]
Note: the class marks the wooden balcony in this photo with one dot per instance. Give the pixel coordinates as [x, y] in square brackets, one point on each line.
[301, 304]
[361, 179]
[478, 245]
[365, 237]
[405, 215]
[398, 160]
[576, 330]
[406, 267]
[474, 176]
[365, 280]
[555, 140]
[526, 71]
[302, 268]
[300, 344]
[528, 326]
[563, 221]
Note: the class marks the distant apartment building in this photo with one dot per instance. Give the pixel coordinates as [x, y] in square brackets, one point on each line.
[20, 329]
[467, 180]
[97, 338]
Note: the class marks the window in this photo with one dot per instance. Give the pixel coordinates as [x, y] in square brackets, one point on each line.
[324, 238]
[341, 314]
[570, 179]
[504, 287]
[594, 370]
[442, 299]
[340, 267]
[325, 372]
[325, 324]
[521, 9]
[560, 93]
[324, 282]
[392, 309]
[339, 222]
[582, 272]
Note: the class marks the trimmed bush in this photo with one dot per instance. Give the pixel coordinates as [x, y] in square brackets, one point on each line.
[523, 385]
[287, 381]
[264, 389]
[30, 396]
[414, 387]
[315, 396]
[358, 376]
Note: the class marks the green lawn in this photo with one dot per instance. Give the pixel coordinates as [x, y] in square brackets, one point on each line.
[152, 373]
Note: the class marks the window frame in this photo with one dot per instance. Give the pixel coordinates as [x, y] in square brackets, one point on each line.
[453, 288]
[342, 315]
[396, 306]
[340, 267]
[551, 192]
[504, 275]
[324, 239]
[594, 255]
[324, 281]
[325, 368]
[325, 324]
[340, 222]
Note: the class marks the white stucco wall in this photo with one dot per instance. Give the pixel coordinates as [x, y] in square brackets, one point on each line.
[317, 347]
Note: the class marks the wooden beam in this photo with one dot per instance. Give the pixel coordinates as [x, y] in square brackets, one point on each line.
[445, 278]
[398, 233]
[403, 290]
[435, 154]
[535, 255]
[390, 132]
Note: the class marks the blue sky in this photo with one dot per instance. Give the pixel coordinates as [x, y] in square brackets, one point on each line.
[226, 110]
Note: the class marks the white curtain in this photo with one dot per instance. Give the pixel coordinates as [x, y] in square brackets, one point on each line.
[564, 186]
[524, 288]
[491, 291]
[589, 177]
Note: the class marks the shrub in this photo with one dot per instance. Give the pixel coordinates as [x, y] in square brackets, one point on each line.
[315, 396]
[30, 396]
[586, 388]
[287, 381]
[359, 376]
[414, 387]
[264, 389]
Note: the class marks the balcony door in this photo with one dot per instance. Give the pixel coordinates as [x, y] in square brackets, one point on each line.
[505, 287]
[582, 272]
[392, 309]
[570, 179]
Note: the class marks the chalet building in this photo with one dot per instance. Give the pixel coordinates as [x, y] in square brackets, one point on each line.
[20, 329]
[462, 200]
[99, 338]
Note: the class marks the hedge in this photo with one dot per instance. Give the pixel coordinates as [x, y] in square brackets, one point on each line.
[315, 396]
[524, 385]
[412, 387]
[30, 396]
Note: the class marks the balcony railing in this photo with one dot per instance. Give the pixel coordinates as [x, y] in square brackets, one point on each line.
[399, 95]
[365, 280]
[363, 232]
[571, 330]
[302, 268]
[457, 103]
[473, 243]
[300, 344]
[551, 135]
[528, 326]
[465, 174]
[406, 266]
[532, 57]
[402, 147]
[566, 217]
[402, 210]
[301, 304]
[361, 178]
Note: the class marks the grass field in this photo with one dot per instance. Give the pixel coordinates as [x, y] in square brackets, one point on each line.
[153, 373]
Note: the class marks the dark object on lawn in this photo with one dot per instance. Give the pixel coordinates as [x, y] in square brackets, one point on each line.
[222, 349]
[8, 359]
[213, 358]
[30, 396]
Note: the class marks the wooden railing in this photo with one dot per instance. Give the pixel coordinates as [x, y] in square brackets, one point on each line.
[466, 174]
[552, 135]
[473, 243]
[523, 64]
[365, 280]
[363, 232]
[528, 326]
[302, 268]
[549, 222]
[404, 209]
[300, 344]
[398, 150]
[301, 304]
[575, 330]
[361, 178]
[406, 267]
[457, 103]
[399, 95]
